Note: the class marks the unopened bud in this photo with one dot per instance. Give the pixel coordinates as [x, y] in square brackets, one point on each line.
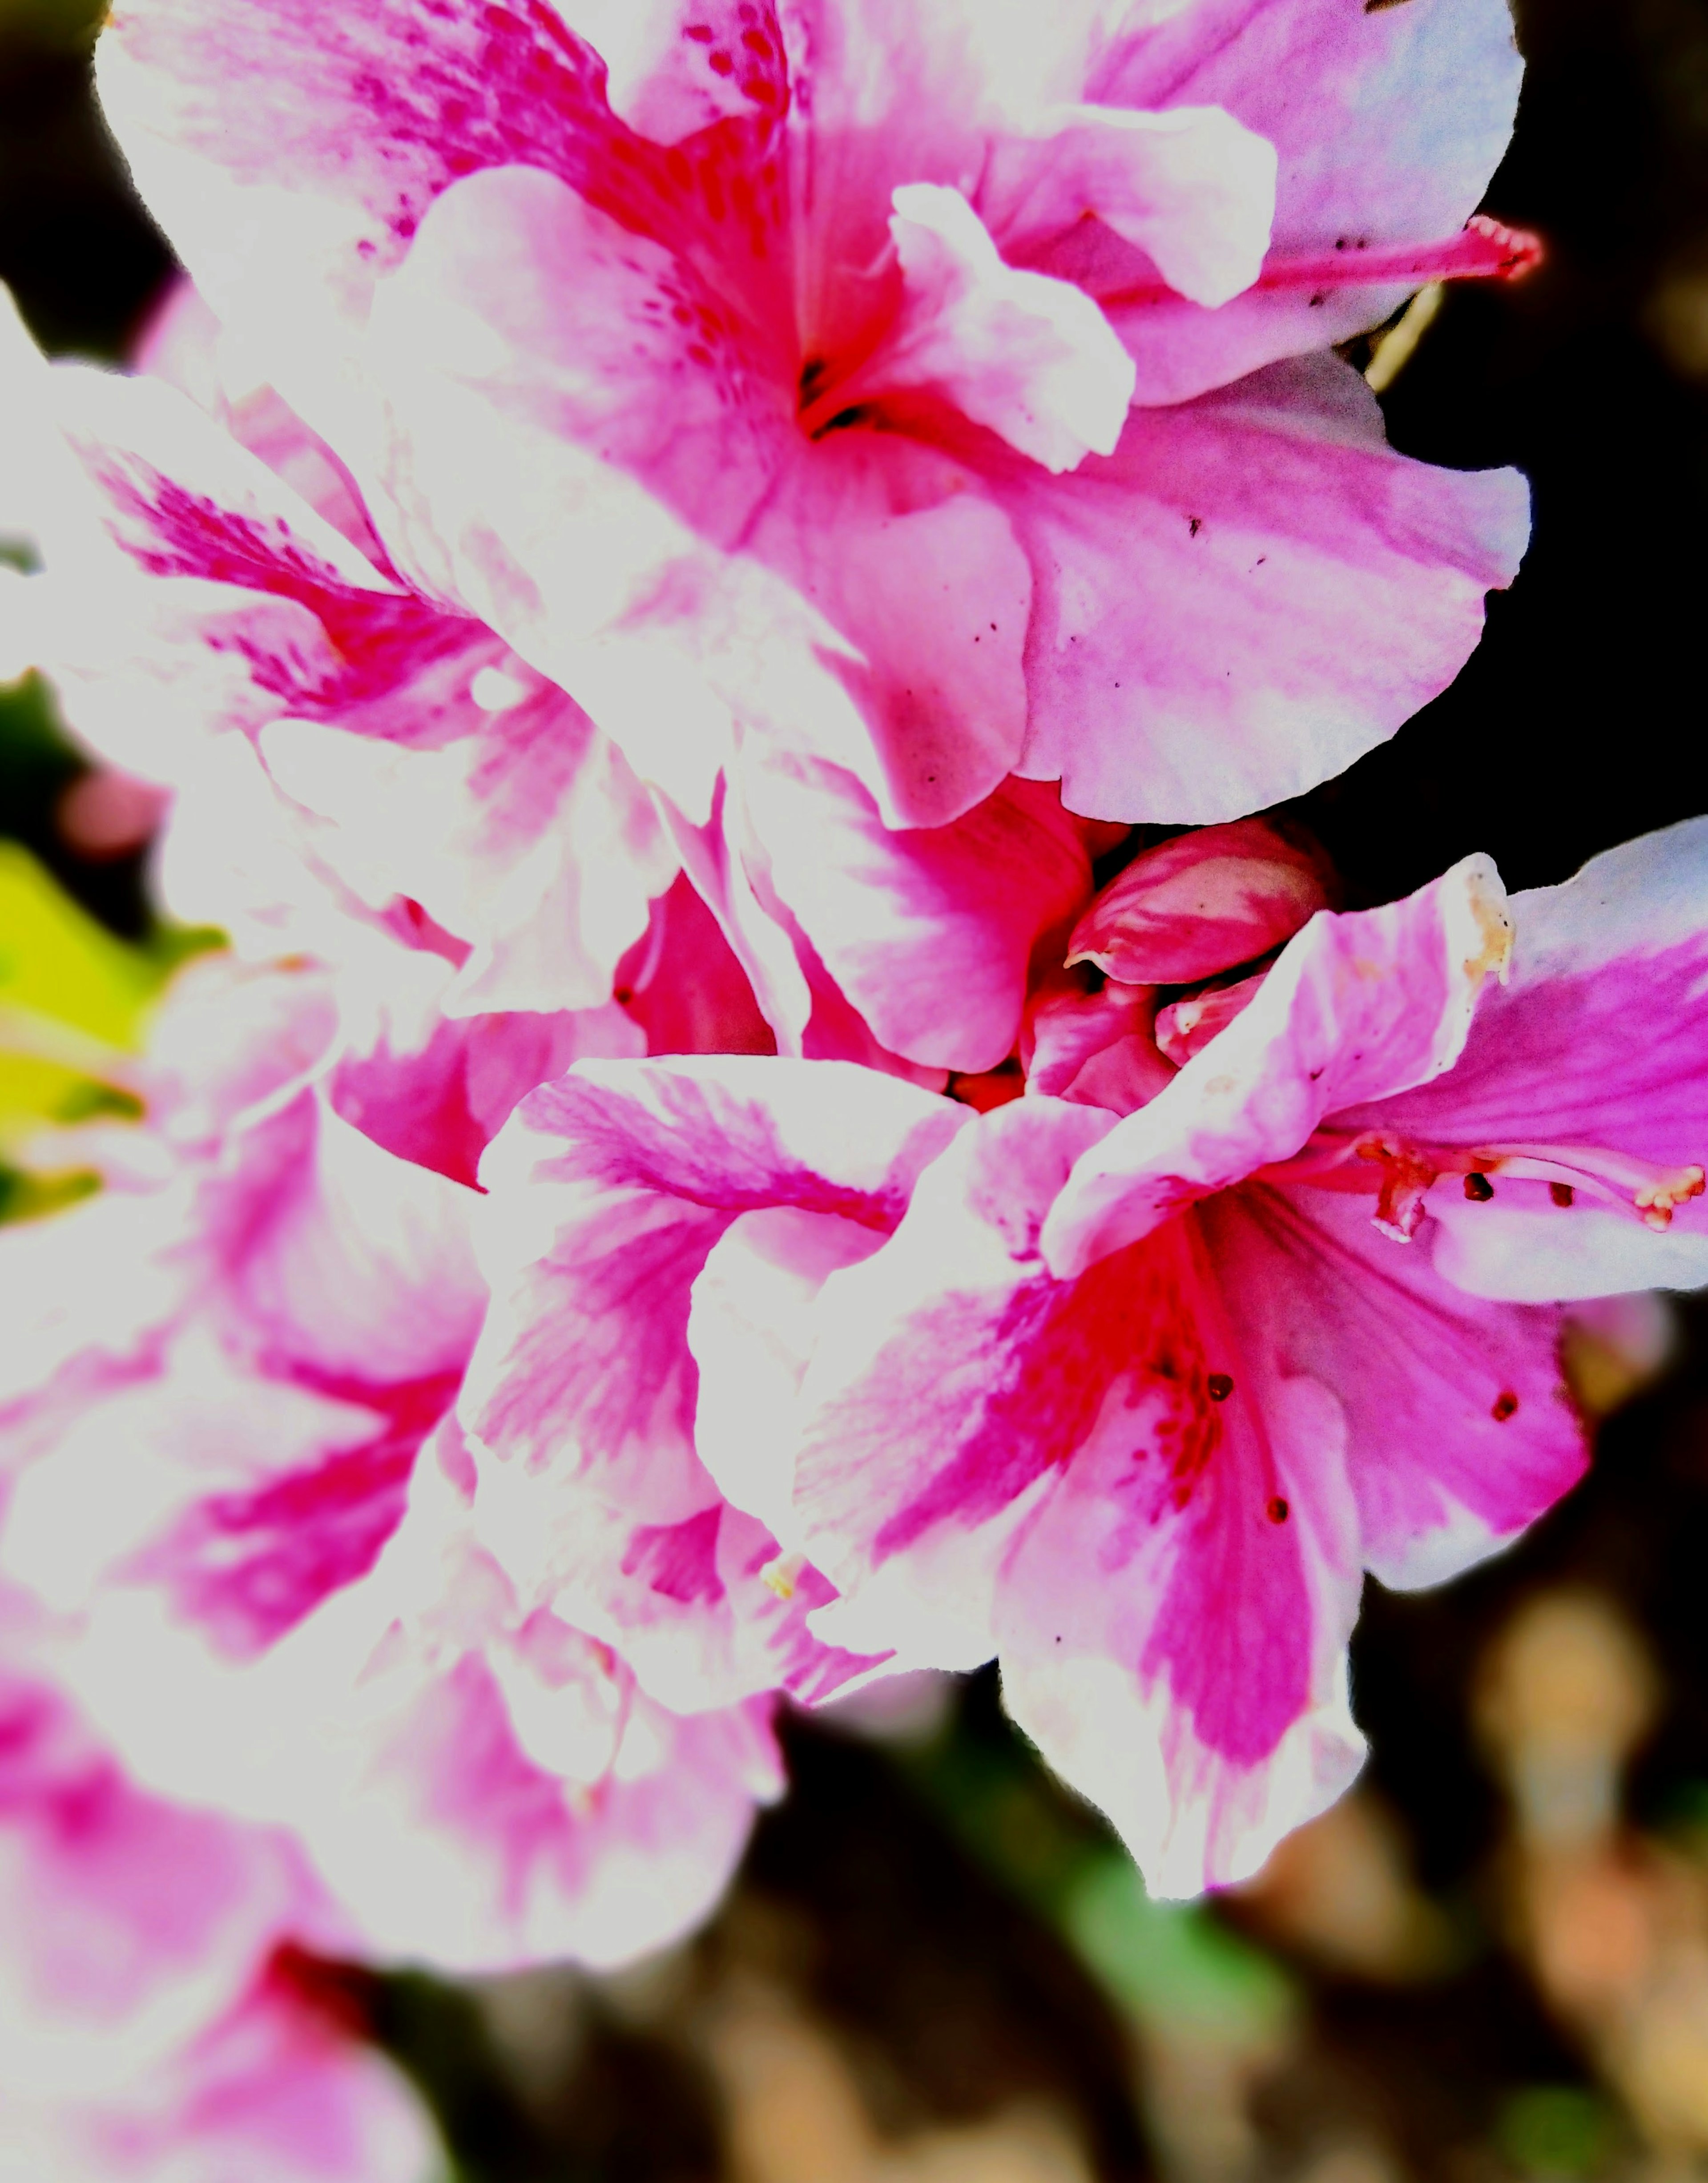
[1202, 903]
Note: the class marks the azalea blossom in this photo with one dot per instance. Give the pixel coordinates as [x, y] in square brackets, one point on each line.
[346, 757]
[926, 394]
[272, 1603]
[1143, 1378]
[160, 2016]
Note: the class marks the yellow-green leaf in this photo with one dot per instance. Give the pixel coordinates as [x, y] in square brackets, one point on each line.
[57, 961]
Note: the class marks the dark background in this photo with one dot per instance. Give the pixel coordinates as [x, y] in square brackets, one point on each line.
[933, 1965]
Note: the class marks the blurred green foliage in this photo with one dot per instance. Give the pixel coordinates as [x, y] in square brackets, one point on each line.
[1565, 2131]
[75, 1000]
[1158, 1961]
[67, 25]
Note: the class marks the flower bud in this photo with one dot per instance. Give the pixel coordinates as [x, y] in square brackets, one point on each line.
[1202, 903]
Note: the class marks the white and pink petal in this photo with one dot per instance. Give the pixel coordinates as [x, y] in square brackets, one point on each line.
[1249, 594]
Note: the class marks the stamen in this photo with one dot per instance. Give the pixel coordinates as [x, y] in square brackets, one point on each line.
[1654, 1192]
[782, 1574]
[1408, 1171]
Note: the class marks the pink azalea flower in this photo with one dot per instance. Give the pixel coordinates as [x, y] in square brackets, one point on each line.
[349, 755]
[213, 1501]
[1134, 1402]
[153, 2026]
[765, 373]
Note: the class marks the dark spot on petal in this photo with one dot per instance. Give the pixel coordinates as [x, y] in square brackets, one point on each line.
[1278, 1510]
[1504, 1405]
[1220, 1386]
[1562, 1192]
[1478, 1188]
[1195, 524]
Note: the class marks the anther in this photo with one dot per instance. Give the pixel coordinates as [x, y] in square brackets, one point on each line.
[782, 1574]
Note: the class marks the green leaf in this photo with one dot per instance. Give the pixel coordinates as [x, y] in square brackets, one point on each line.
[57, 963]
[1556, 2131]
[1171, 1962]
[25, 1197]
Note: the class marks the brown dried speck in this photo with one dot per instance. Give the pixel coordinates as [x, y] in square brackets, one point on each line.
[1478, 1188]
[1504, 1405]
[1220, 1386]
[1278, 1510]
[1562, 1192]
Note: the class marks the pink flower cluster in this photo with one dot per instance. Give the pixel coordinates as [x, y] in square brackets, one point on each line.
[711, 587]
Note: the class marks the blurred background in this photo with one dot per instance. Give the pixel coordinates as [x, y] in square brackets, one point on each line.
[1491, 1961]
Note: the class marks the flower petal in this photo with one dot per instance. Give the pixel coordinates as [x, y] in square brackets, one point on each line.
[918, 569]
[607, 1191]
[1250, 593]
[1084, 1475]
[354, 125]
[1031, 358]
[929, 932]
[703, 1610]
[1459, 1432]
[129, 1927]
[279, 2091]
[926, 1421]
[1198, 1692]
[529, 837]
[1191, 187]
[1600, 1039]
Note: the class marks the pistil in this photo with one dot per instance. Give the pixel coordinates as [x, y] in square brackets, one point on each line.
[1483, 250]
